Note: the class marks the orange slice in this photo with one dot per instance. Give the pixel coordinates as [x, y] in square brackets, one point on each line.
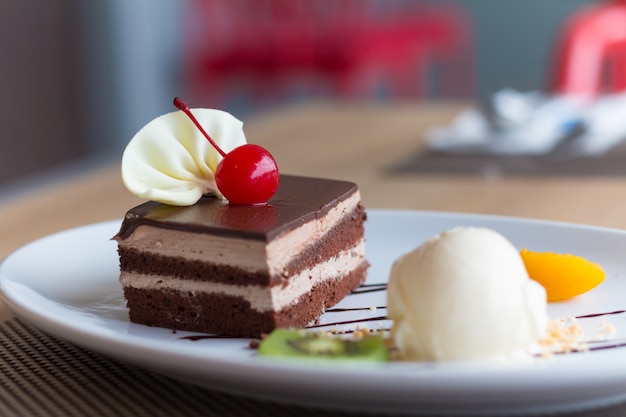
[562, 275]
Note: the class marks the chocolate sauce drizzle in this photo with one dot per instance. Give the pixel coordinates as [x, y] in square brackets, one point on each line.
[343, 310]
[339, 323]
[619, 343]
[597, 345]
[365, 288]
[609, 346]
[587, 316]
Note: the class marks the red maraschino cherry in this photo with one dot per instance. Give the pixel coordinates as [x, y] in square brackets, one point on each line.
[246, 175]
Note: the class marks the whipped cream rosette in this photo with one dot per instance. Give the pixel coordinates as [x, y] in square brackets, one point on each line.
[170, 161]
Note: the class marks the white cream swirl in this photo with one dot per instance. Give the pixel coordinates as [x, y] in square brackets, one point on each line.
[170, 161]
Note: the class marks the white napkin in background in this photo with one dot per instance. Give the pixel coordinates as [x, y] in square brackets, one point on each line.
[605, 126]
[534, 123]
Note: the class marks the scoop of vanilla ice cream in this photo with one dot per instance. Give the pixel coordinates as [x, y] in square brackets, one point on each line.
[464, 294]
[170, 161]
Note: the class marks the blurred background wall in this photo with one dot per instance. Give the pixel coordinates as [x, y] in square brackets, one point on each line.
[80, 77]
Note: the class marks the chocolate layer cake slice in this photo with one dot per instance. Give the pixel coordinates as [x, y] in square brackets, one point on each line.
[241, 270]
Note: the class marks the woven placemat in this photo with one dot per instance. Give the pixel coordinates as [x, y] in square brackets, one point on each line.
[41, 375]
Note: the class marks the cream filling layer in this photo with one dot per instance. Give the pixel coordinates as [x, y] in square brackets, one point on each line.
[261, 298]
[281, 251]
[249, 255]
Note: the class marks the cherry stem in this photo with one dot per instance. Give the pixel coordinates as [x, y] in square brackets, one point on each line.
[181, 105]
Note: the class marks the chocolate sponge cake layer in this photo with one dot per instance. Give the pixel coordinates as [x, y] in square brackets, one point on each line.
[233, 316]
[227, 269]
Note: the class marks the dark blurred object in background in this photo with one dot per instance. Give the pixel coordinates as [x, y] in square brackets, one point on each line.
[39, 114]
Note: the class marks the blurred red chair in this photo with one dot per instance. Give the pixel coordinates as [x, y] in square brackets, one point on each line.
[592, 52]
[347, 48]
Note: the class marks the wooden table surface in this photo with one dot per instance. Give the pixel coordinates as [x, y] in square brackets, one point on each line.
[357, 142]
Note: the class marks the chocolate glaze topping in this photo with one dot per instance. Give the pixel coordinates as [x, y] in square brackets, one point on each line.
[297, 201]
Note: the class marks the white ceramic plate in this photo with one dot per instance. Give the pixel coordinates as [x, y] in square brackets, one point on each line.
[67, 285]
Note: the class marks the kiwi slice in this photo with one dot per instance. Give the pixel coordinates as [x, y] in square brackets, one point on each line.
[305, 344]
